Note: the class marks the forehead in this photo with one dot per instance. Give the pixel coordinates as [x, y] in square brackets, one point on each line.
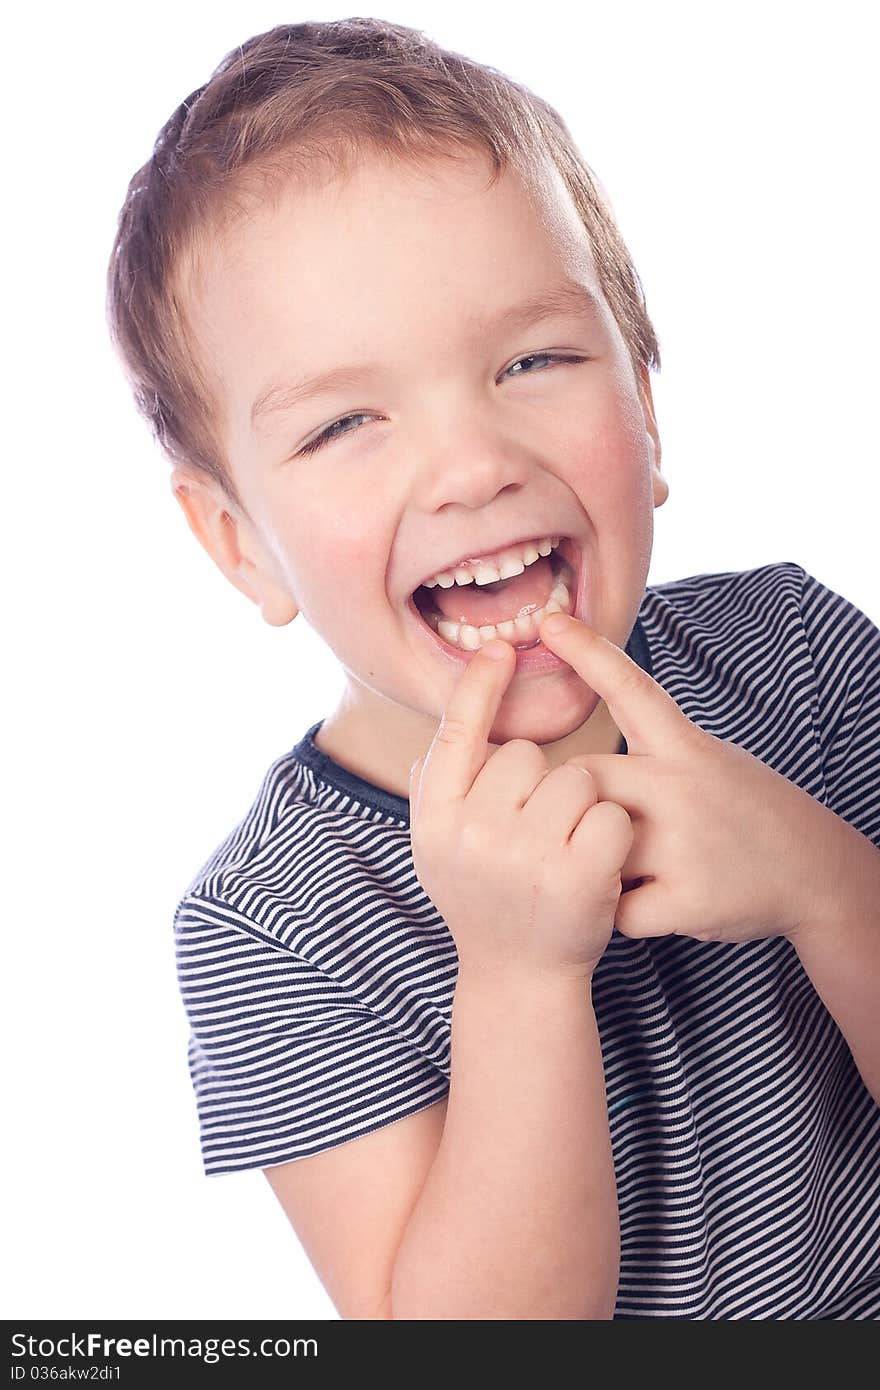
[316, 232]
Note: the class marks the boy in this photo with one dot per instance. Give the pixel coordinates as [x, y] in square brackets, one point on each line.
[540, 978]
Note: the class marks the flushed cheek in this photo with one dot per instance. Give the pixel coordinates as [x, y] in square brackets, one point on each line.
[611, 476]
[342, 580]
[618, 499]
[612, 466]
[341, 528]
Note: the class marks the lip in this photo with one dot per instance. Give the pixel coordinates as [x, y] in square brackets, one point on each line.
[538, 659]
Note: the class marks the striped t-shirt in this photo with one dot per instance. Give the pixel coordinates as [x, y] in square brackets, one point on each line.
[318, 979]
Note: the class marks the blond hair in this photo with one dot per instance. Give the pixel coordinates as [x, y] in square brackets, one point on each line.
[293, 98]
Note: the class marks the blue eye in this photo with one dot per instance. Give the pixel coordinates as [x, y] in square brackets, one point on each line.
[336, 431]
[540, 357]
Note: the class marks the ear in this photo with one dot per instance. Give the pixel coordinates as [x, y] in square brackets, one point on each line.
[659, 483]
[233, 544]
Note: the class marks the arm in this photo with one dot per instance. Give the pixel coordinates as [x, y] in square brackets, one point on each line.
[498, 1203]
[839, 946]
[518, 1215]
[838, 942]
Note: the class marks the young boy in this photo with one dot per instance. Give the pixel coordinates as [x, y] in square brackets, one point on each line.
[541, 976]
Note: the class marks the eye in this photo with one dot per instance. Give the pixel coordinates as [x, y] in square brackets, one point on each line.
[334, 431]
[539, 357]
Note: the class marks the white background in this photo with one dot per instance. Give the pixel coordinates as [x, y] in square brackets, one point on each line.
[144, 697]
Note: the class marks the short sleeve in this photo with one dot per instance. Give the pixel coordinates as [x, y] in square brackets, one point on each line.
[284, 1061]
[844, 646]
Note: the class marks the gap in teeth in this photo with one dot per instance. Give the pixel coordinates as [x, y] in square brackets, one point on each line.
[521, 631]
[505, 565]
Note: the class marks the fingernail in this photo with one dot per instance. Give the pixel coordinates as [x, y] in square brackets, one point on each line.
[554, 623]
[497, 649]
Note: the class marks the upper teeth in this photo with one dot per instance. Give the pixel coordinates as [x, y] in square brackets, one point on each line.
[489, 570]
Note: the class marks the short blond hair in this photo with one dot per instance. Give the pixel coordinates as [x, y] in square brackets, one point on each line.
[295, 97]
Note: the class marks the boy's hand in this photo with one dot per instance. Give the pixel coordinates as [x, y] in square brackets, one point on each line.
[732, 850]
[522, 862]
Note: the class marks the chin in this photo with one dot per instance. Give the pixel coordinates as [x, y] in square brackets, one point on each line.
[526, 715]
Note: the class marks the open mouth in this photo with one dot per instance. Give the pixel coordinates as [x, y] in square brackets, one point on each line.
[465, 616]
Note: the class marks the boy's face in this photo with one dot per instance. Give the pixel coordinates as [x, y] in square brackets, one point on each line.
[450, 454]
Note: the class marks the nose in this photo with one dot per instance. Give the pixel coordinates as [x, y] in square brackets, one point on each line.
[467, 464]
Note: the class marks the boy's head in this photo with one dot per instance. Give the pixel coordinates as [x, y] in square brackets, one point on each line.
[350, 195]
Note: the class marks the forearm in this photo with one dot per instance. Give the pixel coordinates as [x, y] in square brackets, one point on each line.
[518, 1216]
[839, 947]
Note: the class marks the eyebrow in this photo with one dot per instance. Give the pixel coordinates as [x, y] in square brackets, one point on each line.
[565, 297]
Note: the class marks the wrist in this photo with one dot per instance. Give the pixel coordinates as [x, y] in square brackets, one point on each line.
[518, 976]
[845, 890]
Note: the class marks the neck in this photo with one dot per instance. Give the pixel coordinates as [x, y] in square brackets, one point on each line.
[381, 751]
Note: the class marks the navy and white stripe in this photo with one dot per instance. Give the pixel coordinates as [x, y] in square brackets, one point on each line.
[318, 979]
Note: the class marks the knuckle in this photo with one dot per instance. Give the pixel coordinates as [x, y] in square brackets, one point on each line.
[523, 750]
[452, 730]
[475, 837]
[631, 679]
[579, 767]
[620, 824]
[517, 747]
[612, 821]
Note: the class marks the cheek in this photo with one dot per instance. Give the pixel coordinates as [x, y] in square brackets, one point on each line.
[336, 550]
[613, 455]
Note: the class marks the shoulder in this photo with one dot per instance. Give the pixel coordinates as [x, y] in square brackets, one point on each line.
[316, 975]
[308, 862]
[747, 601]
[734, 649]
[701, 630]
[770, 658]
[778, 610]
[773, 606]
[709, 601]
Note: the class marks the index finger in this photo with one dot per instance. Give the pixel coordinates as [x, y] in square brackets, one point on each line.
[645, 713]
[461, 744]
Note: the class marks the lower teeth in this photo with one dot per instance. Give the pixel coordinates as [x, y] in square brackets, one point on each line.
[521, 632]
